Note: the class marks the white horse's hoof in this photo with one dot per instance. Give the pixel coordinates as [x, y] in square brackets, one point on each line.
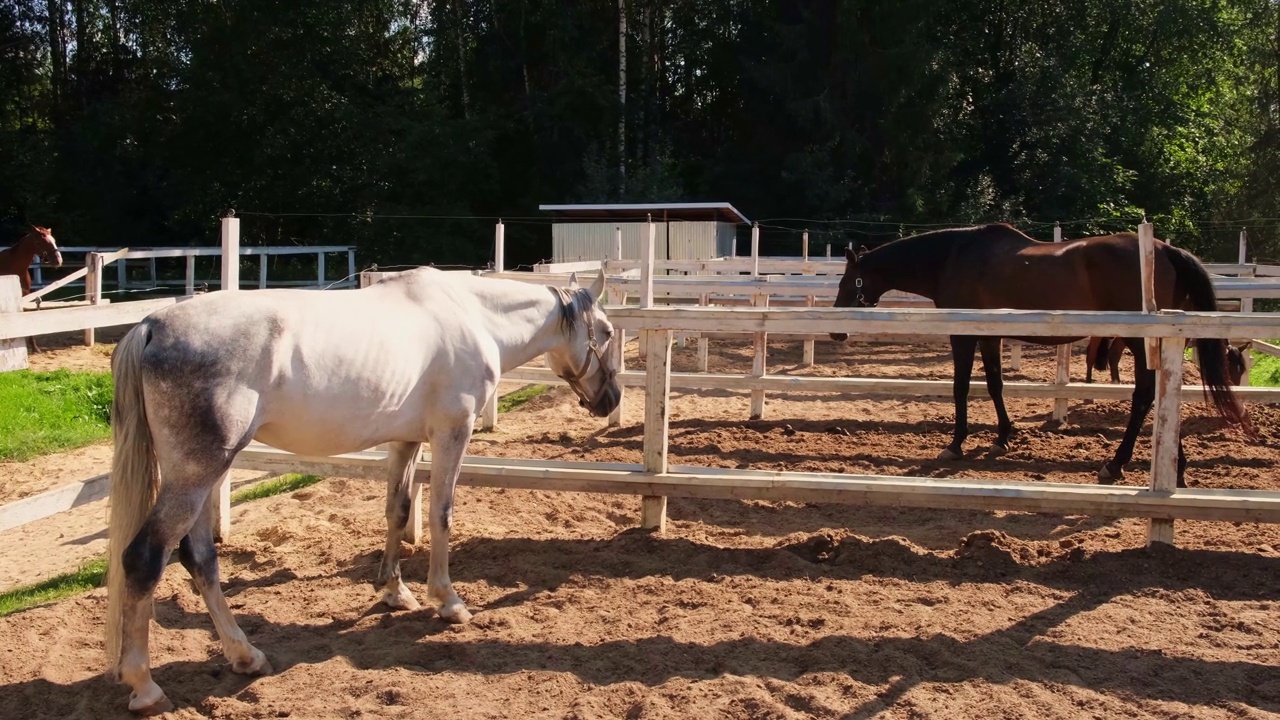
[256, 664]
[400, 599]
[455, 613]
[947, 454]
[149, 700]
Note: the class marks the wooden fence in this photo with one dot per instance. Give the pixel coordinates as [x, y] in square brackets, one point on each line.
[655, 480]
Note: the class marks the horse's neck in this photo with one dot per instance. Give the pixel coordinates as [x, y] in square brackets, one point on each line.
[524, 319]
[21, 250]
[910, 267]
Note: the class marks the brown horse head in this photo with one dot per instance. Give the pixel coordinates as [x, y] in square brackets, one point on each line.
[42, 244]
[857, 289]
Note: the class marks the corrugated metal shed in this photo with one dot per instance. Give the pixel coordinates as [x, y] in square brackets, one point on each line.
[685, 231]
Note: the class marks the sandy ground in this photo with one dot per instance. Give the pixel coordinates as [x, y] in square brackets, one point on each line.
[742, 609]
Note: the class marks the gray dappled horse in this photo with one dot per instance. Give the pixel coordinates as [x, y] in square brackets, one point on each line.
[408, 360]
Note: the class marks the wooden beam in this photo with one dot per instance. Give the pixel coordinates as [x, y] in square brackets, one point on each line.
[56, 284]
[69, 319]
[1006, 323]
[759, 360]
[886, 386]
[1147, 266]
[52, 502]
[719, 483]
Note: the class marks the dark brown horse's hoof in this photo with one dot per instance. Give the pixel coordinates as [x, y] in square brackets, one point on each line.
[997, 450]
[1108, 477]
[949, 454]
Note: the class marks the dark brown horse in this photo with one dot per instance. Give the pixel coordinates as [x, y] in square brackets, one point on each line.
[16, 260]
[996, 266]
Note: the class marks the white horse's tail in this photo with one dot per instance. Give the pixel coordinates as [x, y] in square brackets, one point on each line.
[135, 479]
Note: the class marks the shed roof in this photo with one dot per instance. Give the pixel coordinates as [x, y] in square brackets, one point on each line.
[721, 211]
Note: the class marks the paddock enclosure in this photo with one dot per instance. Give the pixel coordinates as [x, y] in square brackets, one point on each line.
[740, 607]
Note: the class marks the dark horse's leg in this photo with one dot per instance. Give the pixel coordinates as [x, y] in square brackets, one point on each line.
[962, 349]
[990, 348]
[1144, 393]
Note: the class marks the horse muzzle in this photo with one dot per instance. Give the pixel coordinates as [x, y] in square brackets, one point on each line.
[54, 260]
[606, 399]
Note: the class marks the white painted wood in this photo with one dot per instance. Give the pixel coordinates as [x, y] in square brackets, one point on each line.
[646, 266]
[1165, 431]
[1147, 267]
[722, 483]
[351, 264]
[1244, 245]
[704, 350]
[804, 246]
[13, 350]
[1015, 354]
[932, 321]
[872, 387]
[191, 275]
[657, 417]
[231, 253]
[413, 526]
[759, 359]
[60, 282]
[320, 274]
[617, 244]
[52, 502]
[45, 322]
[262, 270]
[93, 288]
[221, 495]
[755, 249]
[499, 247]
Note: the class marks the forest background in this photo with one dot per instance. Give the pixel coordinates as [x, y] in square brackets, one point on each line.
[407, 127]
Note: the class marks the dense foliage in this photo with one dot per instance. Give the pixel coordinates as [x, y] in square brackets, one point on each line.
[406, 126]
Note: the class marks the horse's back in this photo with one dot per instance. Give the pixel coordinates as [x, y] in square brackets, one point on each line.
[324, 369]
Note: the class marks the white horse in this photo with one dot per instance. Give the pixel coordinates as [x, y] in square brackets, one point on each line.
[410, 359]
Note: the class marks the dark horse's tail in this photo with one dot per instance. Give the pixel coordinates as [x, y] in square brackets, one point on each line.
[1099, 359]
[1211, 351]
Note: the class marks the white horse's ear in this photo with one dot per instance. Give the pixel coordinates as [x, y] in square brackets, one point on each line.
[597, 287]
[573, 281]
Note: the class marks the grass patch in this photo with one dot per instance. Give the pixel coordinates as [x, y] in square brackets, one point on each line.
[1265, 371]
[89, 576]
[276, 486]
[516, 398]
[45, 412]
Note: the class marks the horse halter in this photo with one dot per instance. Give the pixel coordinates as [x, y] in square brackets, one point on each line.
[857, 283]
[574, 378]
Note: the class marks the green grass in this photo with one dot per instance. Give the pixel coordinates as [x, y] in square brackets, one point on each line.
[89, 576]
[1265, 372]
[45, 412]
[276, 486]
[516, 398]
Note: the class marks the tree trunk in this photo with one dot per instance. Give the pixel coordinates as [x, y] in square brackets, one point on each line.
[622, 95]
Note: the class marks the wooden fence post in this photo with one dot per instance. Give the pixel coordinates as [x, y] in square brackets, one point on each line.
[230, 282]
[810, 300]
[1165, 429]
[191, 275]
[499, 247]
[13, 352]
[1246, 306]
[760, 351]
[93, 287]
[617, 297]
[755, 249]
[656, 346]
[704, 353]
[1063, 375]
[1147, 266]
